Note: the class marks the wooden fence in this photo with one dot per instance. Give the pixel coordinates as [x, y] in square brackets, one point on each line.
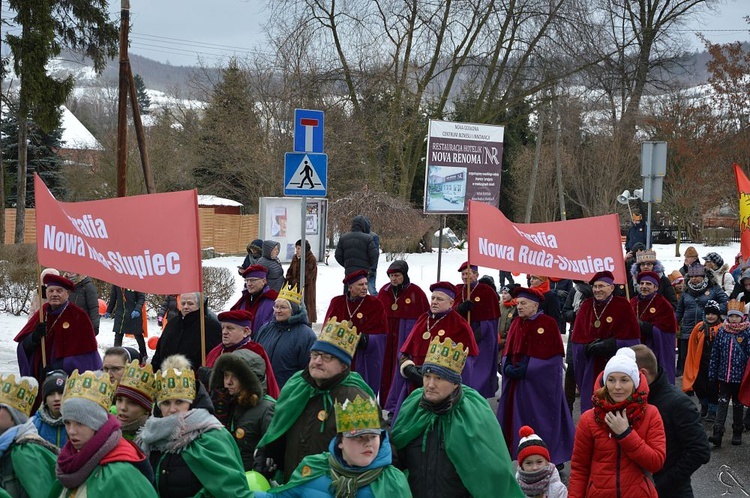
[226, 233]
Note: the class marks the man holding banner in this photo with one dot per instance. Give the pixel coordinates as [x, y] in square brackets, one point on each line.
[64, 340]
[604, 324]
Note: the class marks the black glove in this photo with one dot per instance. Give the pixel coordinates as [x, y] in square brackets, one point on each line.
[601, 347]
[39, 331]
[515, 372]
[478, 334]
[465, 307]
[413, 373]
[647, 329]
[562, 294]
[269, 468]
[364, 340]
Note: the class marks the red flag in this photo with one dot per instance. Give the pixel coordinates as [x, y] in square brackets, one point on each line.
[743, 192]
[148, 243]
[575, 249]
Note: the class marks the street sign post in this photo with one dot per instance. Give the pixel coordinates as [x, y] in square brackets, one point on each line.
[305, 174]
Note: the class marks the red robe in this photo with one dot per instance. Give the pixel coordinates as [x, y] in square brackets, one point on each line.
[410, 304]
[261, 307]
[272, 387]
[486, 303]
[367, 314]
[658, 312]
[452, 325]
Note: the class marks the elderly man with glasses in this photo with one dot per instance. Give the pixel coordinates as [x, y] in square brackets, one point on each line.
[257, 297]
[304, 422]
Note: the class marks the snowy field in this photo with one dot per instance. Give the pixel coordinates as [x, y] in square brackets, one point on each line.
[422, 271]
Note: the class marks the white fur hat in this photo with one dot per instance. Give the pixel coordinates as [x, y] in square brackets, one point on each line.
[623, 362]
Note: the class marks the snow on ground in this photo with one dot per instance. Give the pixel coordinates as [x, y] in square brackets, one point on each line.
[422, 271]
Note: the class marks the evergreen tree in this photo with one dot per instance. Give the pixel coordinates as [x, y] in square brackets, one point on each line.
[42, 158]
[144, 101]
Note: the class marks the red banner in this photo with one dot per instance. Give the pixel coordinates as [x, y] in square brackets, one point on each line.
[574, 249]
[743, 192]
[148, 243]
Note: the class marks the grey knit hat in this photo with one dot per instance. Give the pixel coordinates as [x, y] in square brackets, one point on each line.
[18, 416]
[84, 411]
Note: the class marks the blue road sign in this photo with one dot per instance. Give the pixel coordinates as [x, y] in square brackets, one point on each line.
[308, 130]
[305, 174]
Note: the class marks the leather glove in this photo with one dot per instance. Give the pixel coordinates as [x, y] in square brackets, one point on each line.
[647, 329]
[601, 347]
[135, 314]
[107, 315]
[39, 331]
[465, 307]
[270, 468]
[413, 374]
[515, 372]
[160, 321]
[364, 340]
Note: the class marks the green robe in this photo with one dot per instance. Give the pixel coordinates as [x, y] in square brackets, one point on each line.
[391, 482]
[112, 479]
[474, 442]
[215, 460]
[34, 467]
[293, 399]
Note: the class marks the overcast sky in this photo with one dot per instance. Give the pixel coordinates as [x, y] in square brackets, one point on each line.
[180, 31]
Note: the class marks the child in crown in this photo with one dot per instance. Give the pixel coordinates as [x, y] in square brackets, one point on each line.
[97, 460]
[729, 357]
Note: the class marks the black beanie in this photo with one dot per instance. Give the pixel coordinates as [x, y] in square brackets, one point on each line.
[54, 383]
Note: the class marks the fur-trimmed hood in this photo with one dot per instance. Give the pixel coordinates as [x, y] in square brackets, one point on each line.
[246, 365]
[658, 268]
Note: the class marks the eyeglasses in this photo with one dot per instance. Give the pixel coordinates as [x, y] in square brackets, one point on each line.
[326, 357]
[281, 307]
[112, 369]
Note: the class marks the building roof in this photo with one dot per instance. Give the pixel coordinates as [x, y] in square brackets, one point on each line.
[212, 200]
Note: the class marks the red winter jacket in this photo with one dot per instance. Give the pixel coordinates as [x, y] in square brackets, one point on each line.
[603, 466]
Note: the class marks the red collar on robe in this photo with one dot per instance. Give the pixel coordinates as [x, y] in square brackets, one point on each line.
[272, 387]
[616, 321]
[68, 334]
[411, 302]
[486, 302]
[659, 313]
[453, 326]
[369, 317]
[537, 337]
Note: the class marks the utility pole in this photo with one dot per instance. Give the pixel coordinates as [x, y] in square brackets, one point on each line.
[122, 102]
[139, 135]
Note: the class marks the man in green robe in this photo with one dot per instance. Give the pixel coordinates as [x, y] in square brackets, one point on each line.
[304, 411]
[448, 439]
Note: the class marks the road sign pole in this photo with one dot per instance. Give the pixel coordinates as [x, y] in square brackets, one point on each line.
[303, 253]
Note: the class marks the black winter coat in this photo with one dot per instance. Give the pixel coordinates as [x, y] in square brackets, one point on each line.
[122, 303]
[356, 250]
[687, 444]
[275, 275]
[182, 335]
[85, 297]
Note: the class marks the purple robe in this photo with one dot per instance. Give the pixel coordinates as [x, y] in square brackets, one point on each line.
[398, 384]
[368, 362]
[663, 345]
[538, 400]
[261, 307]
[480, 371]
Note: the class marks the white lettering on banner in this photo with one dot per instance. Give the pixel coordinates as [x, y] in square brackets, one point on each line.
[499, 251]
[140, 265]
[90, 227]
[586, 266]
[539, 238]
[536, 258]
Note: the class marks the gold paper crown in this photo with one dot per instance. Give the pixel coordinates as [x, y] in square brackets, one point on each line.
[646, 257]
[359, 414]
[88, 385]
[139, 378]
[735, 305]
[447, 354]
[342, 334]
[290, 293]
[19, 395]
[175, 384]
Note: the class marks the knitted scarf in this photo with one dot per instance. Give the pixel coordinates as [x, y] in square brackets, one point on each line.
[510, 303]
[634, 406]
[346, 481]
[735, 328]
[698, 288]
[75, 466]
[174, 433]
[535, 483]
[131, 428]
[48, 419]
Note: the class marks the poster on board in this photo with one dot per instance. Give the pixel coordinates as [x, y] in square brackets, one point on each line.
[281, 221]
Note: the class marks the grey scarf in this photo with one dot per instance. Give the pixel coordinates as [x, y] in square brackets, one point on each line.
[174, 433]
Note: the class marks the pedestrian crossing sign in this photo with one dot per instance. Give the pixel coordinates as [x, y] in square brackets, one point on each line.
[305, 174]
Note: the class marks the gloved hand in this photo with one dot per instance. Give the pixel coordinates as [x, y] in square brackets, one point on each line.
[465, 307]
[413, 374]
[160, 321]
[562, 294]
[601, 347]
[204, 376]
[478, 334]
[515, 372]
[647, 329]
[364, 340]
[270, 468]
[135, 314]
[39, 331]
[107, 315]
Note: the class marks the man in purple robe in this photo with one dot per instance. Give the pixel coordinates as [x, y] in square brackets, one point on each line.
[367, 314]
[257, 298]
[604, 324]
[479, 304]
[403, 302]
[532, 370]
[65, 336]
[657, 321]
